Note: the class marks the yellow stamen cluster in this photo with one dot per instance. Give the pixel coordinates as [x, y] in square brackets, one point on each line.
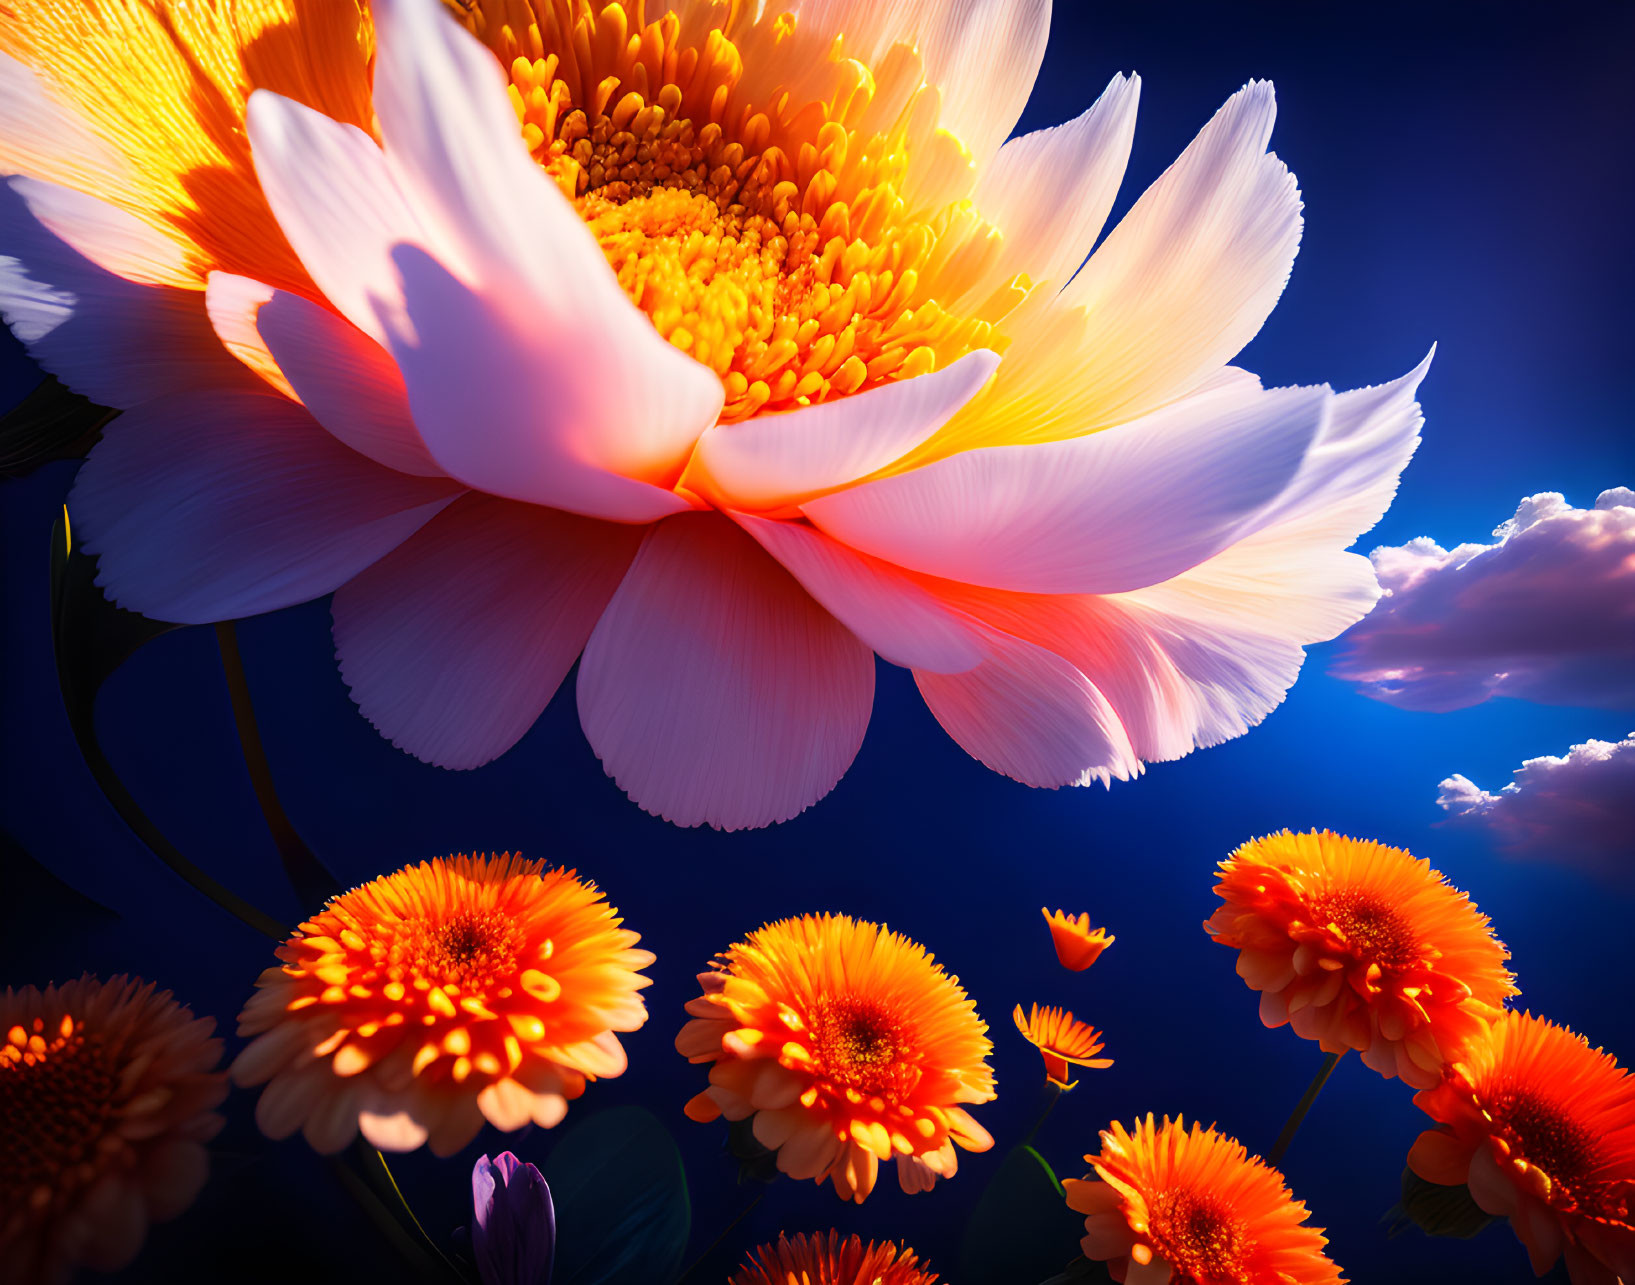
[768, 241]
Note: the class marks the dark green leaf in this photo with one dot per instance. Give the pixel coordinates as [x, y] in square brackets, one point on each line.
[1438, 1210]
[755, 1162]
[1021, 1229]
[51, 423]
[92, 636]
[621, 1201]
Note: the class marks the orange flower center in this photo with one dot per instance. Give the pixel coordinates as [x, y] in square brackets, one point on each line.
[860, 1046]
[1376, 931]
[767, 241]
[1544, 1135]
[468, 949]
[56, 1096]
[1198, 1238]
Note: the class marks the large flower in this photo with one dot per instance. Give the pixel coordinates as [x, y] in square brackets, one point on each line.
[849, 1045]
[107, 1097]
[1542, 1129]
[1179, 1207]
[828, 1260]
[671, 335]
[1360, 946]
[1062, 1040]
[454, 991]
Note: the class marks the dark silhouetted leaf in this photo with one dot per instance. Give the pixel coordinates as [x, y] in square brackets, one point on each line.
[1438, 1210]
[1021, 1229]
[755, 1162]
[622, 1211]
[51, 423]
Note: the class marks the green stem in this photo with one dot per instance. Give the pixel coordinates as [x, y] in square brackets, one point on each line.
[1053, 1095]
[312, 881]
[1292, 1125]
[725, 1232]
[371, 1183]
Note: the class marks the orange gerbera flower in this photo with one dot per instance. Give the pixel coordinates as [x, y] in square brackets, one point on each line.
[1063, 1040]
[1194, 1208]
[1076, 946]
[107, 1092]
[828, 1260]
[426, 1001]
[1357, 945]
[1542, 1129]
[848, 1045]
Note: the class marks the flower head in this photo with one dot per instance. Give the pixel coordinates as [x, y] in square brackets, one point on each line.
[107, 1092]
[672, 336]
[1076, 946]
[1193, 1208]
[426, 1001]
[513, 1235]
[1360, 946]
[828, 1260]
[849, 1045]
[1541, 1127]
[1063, 1040]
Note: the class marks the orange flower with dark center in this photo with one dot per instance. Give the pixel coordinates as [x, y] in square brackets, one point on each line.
[1193, 1208]
[849, 1045]
[426, 1001]
[1541, 1127]
[107, 1092]
[828, 1260]
[1076, 946]
[1063, 1040]
[1360, 946]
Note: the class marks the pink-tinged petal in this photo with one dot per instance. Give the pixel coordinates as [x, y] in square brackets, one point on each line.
[454, 643]
[1049, 192]
[777, 460]
[1117, 510]
[601, 382]
[232, 303]
[1029, 714]
[1193, 270]
[210, 507]
[347, 380]
[117, 341]
[43, 137]
[888, 609]
[714, 690]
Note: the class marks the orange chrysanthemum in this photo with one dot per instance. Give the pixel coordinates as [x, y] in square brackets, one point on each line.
[1542, 1129]
[1193, 1208]
[1063, 1040]
[1076, 946]
[828, 1260]
[426, 1001]
[848, 1045]
[1360, 946]
[107, 1097]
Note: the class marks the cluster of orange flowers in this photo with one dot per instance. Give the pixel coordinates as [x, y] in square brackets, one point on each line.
[473, 989]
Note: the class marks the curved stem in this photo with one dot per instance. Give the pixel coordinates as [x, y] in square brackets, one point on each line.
[131, 813]
[373, 1186]
[725, 1232]
[1054, 1095]
[1292, 1125]
[310, 878]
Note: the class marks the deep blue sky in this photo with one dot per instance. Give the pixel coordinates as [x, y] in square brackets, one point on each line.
[1468, 178]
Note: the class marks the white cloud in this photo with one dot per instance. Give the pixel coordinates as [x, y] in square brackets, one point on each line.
[1578, 807]
[1545, 613]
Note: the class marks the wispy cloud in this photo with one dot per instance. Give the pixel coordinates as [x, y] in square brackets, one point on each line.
[1578, 807]
[1544, 613]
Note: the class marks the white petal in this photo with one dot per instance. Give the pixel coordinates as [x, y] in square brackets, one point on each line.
[1193, 270]
[1117, 510]
[117, 341]
[212, 506]
[41, 136]
[714, 690]
[454, 643]
[232, 303]
[1050, 191]
[775, 460]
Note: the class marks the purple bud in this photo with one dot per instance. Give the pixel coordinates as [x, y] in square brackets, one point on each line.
[514, 1231]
